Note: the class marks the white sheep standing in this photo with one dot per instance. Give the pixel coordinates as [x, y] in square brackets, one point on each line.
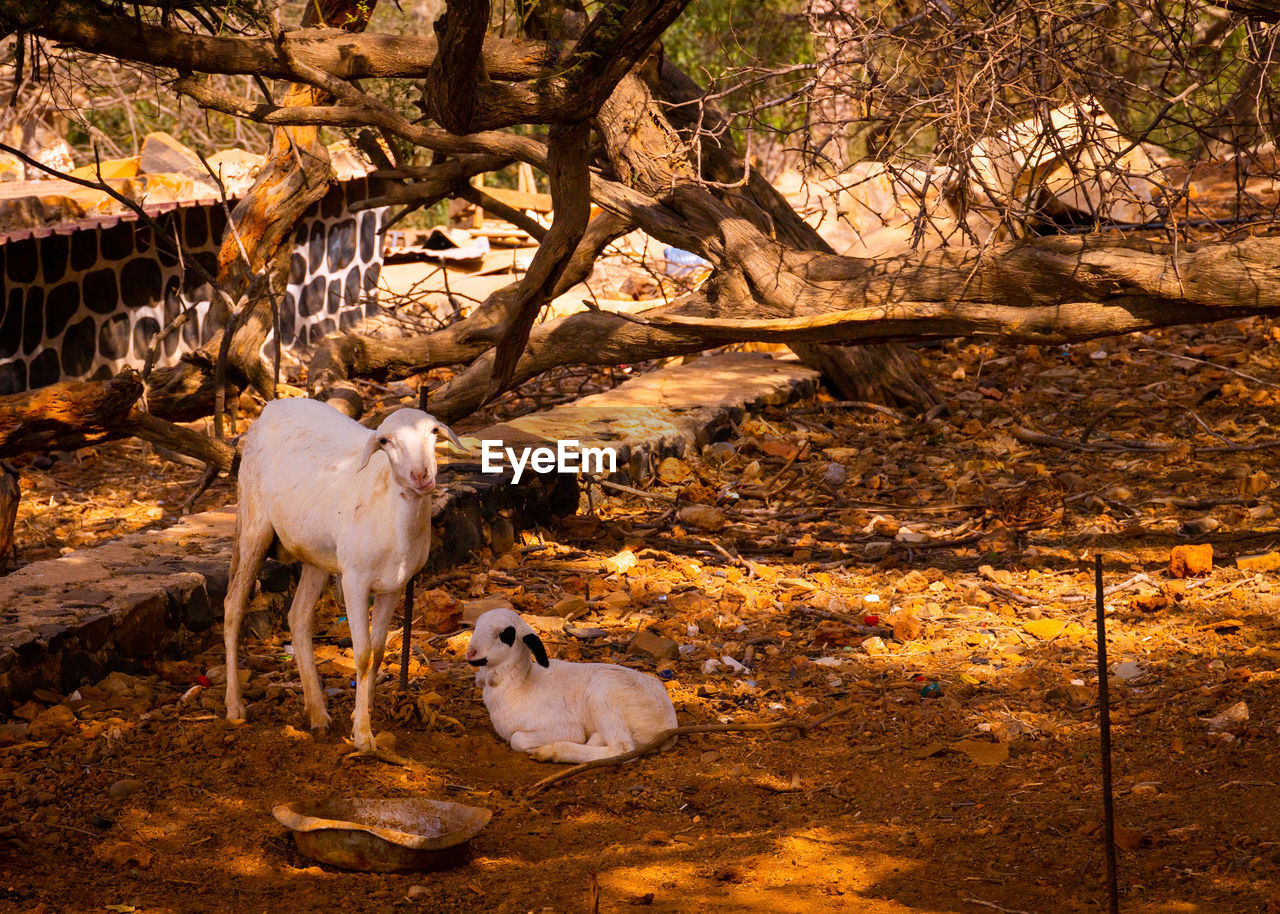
[344, 500]
[558, 711]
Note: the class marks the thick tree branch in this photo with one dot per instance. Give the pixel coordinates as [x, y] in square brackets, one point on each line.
[451, 89]
[339, 53]
[339, 359]
[477, 197]
[571, 197]
[617, 37]
[295, 175]
[67, 416]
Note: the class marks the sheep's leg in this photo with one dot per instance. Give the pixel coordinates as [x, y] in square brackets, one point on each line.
[384, 607]
[612, 738]
[355, 590]
[252, 540]
[302, 613]
[565, 751]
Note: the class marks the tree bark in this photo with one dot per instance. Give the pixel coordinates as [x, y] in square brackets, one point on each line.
[209, 451]
[63, 417]
[10, 494]
[355, 56]
[76, 414]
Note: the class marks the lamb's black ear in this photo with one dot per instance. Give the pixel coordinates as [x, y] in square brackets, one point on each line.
[508, 635]
[535, 645]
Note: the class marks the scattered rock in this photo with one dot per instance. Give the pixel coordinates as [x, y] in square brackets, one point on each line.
[882, 526]
[585, 634]
[569, 606]
[837, 634]
[906, 627]
[474, 609]
[704, 517]
[1044, 629]
[874, 646]
[28, 711]
[912, 582]
[614, 604]
[1199, 526]
[1129, 669]
[1259, 563]
[417, 891]
[674, 471]
[621, 563]
[1256, 483]
[123, 788]
[52, 723]
[1008, 728]
[1238, 713]
[580, 526]
[656, 646]
[13, 732]
[1129, 839]
[122, 854]
[731, 873]
[1191, 561]
[1150, 601]
[983, 753]
[441, 612]
[718, 452]
[834, 475]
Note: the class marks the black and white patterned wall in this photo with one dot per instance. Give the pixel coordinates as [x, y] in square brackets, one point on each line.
[89, 303]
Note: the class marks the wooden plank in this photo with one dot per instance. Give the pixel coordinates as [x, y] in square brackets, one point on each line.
[539, 203]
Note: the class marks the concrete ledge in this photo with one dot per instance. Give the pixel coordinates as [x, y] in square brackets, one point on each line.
[72, 619]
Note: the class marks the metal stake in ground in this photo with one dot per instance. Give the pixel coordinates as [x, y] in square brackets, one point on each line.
[408, 624]
[409, 588]
[1104, 720]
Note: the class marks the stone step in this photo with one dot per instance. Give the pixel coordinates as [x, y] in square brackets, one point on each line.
[71, 619]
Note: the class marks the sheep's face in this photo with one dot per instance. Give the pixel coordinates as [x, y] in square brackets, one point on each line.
[408, 437]
[502, 637]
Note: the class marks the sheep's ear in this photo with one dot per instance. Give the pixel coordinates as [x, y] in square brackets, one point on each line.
[535, 645]
[508, 635]
[453, 439]
[369, 447]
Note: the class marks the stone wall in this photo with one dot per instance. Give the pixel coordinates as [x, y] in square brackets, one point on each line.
[88, 302]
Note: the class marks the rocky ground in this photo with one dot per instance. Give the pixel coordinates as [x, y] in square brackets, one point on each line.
[929, 580]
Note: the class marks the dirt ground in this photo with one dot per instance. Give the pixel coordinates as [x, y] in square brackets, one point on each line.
[931, 580]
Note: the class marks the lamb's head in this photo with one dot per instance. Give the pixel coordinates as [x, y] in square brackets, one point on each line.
[408, 437]
[500, 638]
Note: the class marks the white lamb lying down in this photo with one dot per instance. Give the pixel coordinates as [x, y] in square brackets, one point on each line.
[558, 711]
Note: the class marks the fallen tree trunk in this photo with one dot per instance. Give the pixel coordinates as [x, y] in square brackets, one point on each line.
[1020, 292]
[67, 416]
[76, 414]
[1050, 290]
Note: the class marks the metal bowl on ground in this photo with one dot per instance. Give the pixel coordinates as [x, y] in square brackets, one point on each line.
[383, 836]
